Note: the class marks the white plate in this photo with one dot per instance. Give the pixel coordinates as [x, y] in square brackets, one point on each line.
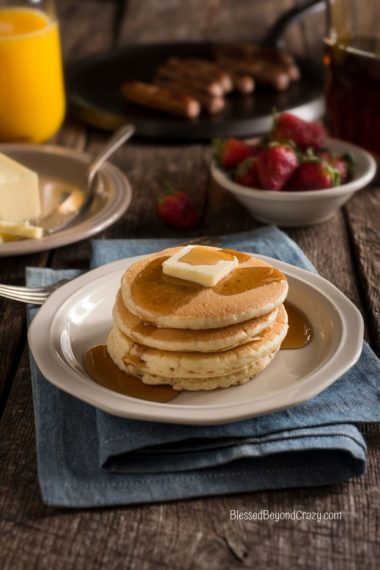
[78, 316]
[64, 169]
[301, 208]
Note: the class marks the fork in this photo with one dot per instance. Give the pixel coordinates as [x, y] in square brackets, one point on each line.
[32, 295]
[38, 295]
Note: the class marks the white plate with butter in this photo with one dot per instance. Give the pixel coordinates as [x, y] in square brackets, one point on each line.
[61, 172]
[79, 315]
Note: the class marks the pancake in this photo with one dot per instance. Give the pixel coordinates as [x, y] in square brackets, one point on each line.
[169, 364]
[194, 384]
[251, 290]
[204, 340]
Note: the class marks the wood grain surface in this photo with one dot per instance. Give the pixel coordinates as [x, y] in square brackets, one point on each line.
[188, 534]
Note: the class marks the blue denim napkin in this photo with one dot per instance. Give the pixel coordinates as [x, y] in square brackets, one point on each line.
[87, 458]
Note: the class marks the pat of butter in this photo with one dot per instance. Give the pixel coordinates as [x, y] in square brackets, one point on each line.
[5, 238]
[201, 264]
[20, 230]
[19, 193]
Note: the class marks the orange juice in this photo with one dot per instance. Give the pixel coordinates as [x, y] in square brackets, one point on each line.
[32, 99]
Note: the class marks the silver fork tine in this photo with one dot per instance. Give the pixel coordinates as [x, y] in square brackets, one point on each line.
[31, 300]
[24, 291]
[22, 288]
[10, 295]
[32, 295]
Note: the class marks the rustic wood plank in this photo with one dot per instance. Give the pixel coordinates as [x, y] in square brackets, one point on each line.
[167, 20]
[244, 20]
[12, 323]
[86, 27]
[363, 214]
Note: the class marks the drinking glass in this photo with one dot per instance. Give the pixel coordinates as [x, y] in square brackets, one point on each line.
[32, 97]
[352, 60]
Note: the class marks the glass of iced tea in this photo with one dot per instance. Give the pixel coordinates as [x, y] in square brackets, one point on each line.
[352, 59]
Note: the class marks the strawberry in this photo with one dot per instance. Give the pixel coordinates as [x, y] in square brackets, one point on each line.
[256, 148]
[314, 174]
[343, 164]
[304, 134]
[323, 153]
[231, 152]
[176, 208]
[275, 165]
[247, 173]
[342, 167]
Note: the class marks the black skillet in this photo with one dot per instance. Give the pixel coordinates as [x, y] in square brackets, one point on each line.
[94, 97]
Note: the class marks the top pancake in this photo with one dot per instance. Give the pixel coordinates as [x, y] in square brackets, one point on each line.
[253, 289]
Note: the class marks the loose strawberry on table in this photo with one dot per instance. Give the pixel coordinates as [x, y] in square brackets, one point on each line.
[176, 208]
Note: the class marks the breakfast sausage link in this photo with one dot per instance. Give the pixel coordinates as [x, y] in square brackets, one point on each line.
[208, 70]
[194, 78]
[163, 99]
[243, 83]
[210, 104]
[263, 72]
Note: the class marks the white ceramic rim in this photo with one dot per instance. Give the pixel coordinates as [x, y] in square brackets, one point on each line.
[357, 183]
[65, 378]
[104, 218]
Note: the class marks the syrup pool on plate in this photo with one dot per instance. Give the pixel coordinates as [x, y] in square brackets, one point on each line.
[300, 331]
[102, 370]
[32, 100]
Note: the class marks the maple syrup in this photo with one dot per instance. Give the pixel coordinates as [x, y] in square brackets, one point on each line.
[240, 256]
[163, 294]
[353, 90]
[102, 370]
[135, 356]
[300, 331]
[202, 255]
[245, 278]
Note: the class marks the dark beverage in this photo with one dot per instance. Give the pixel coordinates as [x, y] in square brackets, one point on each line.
[353, 90]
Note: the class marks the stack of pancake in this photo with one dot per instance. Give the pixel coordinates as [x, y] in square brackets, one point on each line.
[173, 331]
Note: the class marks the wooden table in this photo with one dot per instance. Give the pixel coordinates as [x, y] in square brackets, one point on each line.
[196, 533]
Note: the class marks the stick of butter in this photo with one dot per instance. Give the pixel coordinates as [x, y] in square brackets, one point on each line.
[201, 264]
[19, 193]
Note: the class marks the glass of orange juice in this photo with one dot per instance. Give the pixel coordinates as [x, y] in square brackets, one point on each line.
[32, 95]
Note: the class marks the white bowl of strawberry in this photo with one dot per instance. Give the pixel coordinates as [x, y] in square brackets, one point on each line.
[294, 175]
